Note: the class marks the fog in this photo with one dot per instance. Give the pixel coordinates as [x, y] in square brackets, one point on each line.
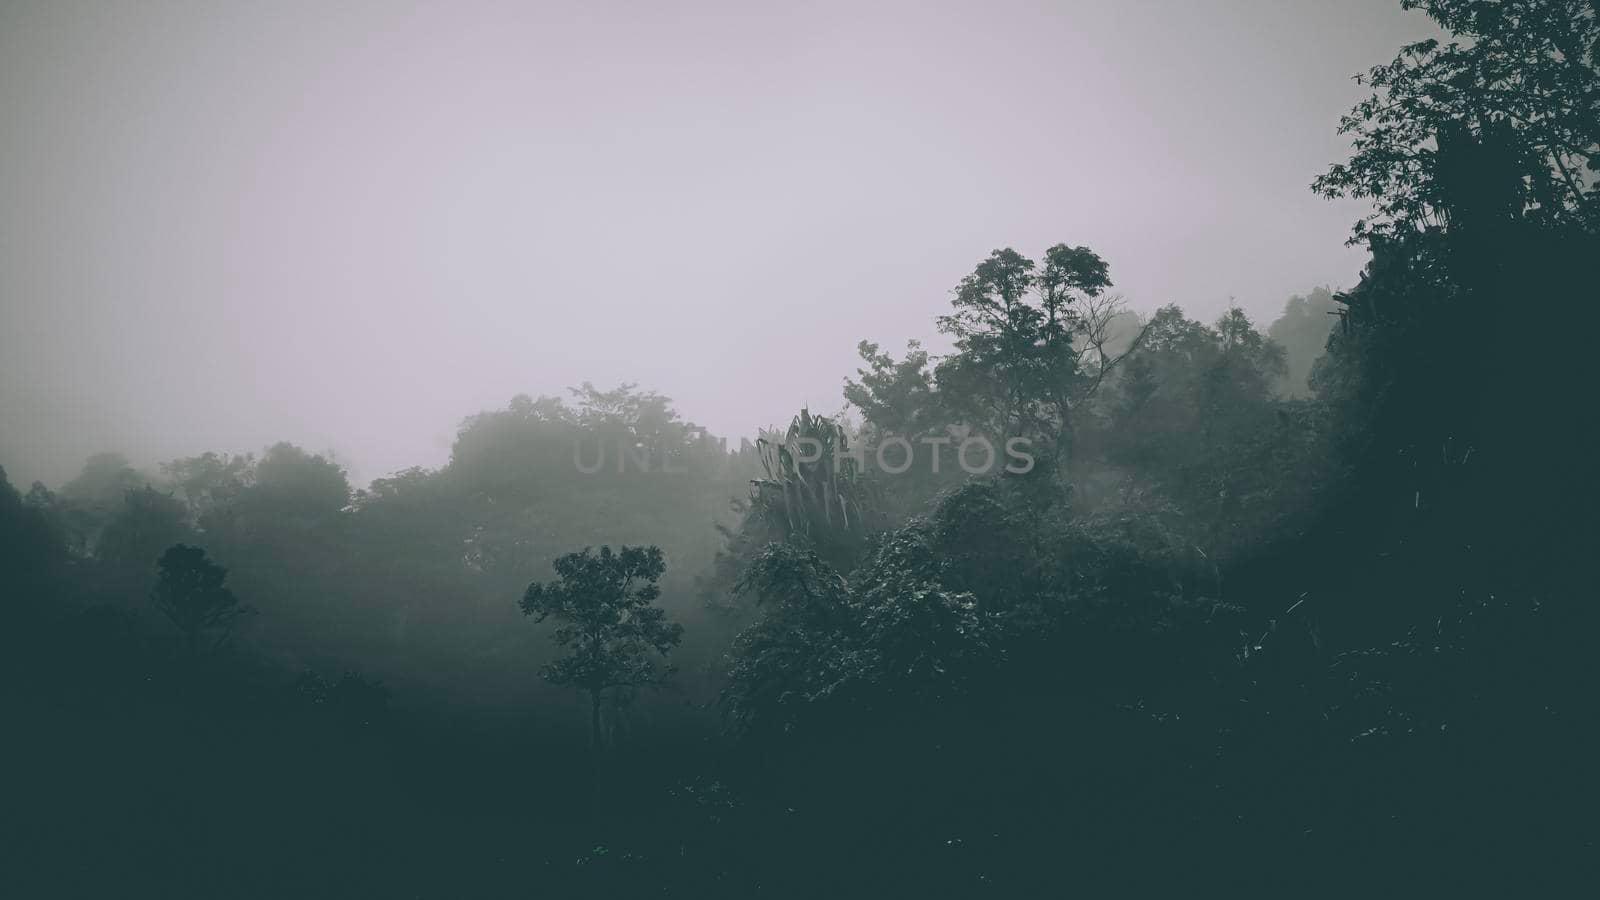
[1138, 503]
[227, 225]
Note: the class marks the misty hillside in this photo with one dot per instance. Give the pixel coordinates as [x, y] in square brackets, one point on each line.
[530, 451]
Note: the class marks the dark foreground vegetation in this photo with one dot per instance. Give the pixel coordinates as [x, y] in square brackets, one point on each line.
[1295, 614]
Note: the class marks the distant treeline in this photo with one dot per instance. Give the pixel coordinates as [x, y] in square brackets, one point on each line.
[1299, 612]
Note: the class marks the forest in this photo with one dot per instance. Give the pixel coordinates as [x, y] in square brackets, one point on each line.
[1098, 602]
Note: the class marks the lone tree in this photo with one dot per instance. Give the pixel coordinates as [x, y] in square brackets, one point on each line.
[190, 591]
[605, 603]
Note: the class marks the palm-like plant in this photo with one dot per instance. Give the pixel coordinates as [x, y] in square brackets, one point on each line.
[813, 487]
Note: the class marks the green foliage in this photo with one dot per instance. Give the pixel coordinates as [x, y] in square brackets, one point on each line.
[88, 502]
[1349, 625]
[982, 537]
[210, 481]
[1303, 331]
[1516, 87]
[814, 490]
[293, 484]
[105, 479]
[825, 649]
[896, 398]
[1032, 342]
[901, 400]
[31, 549]
[191, 591]
[813, 495]
[609, 623]
[1194, 418]
[148, 522]
[918, 640]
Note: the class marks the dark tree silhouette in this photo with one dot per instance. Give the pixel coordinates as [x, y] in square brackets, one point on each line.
[1514, 86]
[191, 591]
[1033, 342]
[605, 603]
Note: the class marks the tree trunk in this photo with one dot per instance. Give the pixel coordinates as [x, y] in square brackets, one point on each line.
[594, 720]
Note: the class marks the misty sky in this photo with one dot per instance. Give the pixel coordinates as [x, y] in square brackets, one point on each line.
[349, 225]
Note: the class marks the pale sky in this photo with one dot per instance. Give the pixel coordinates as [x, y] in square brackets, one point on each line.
[349, 225]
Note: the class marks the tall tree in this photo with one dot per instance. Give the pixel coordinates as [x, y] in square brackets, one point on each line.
[896, 398]
[605, 603]
[210, 480]
[293, 484]
[1194, 418]
[191, 591]
[1516, 87]
[1302, 331]
[1032, 342]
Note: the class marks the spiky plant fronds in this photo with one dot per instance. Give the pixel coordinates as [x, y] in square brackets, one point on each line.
[813, 486]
